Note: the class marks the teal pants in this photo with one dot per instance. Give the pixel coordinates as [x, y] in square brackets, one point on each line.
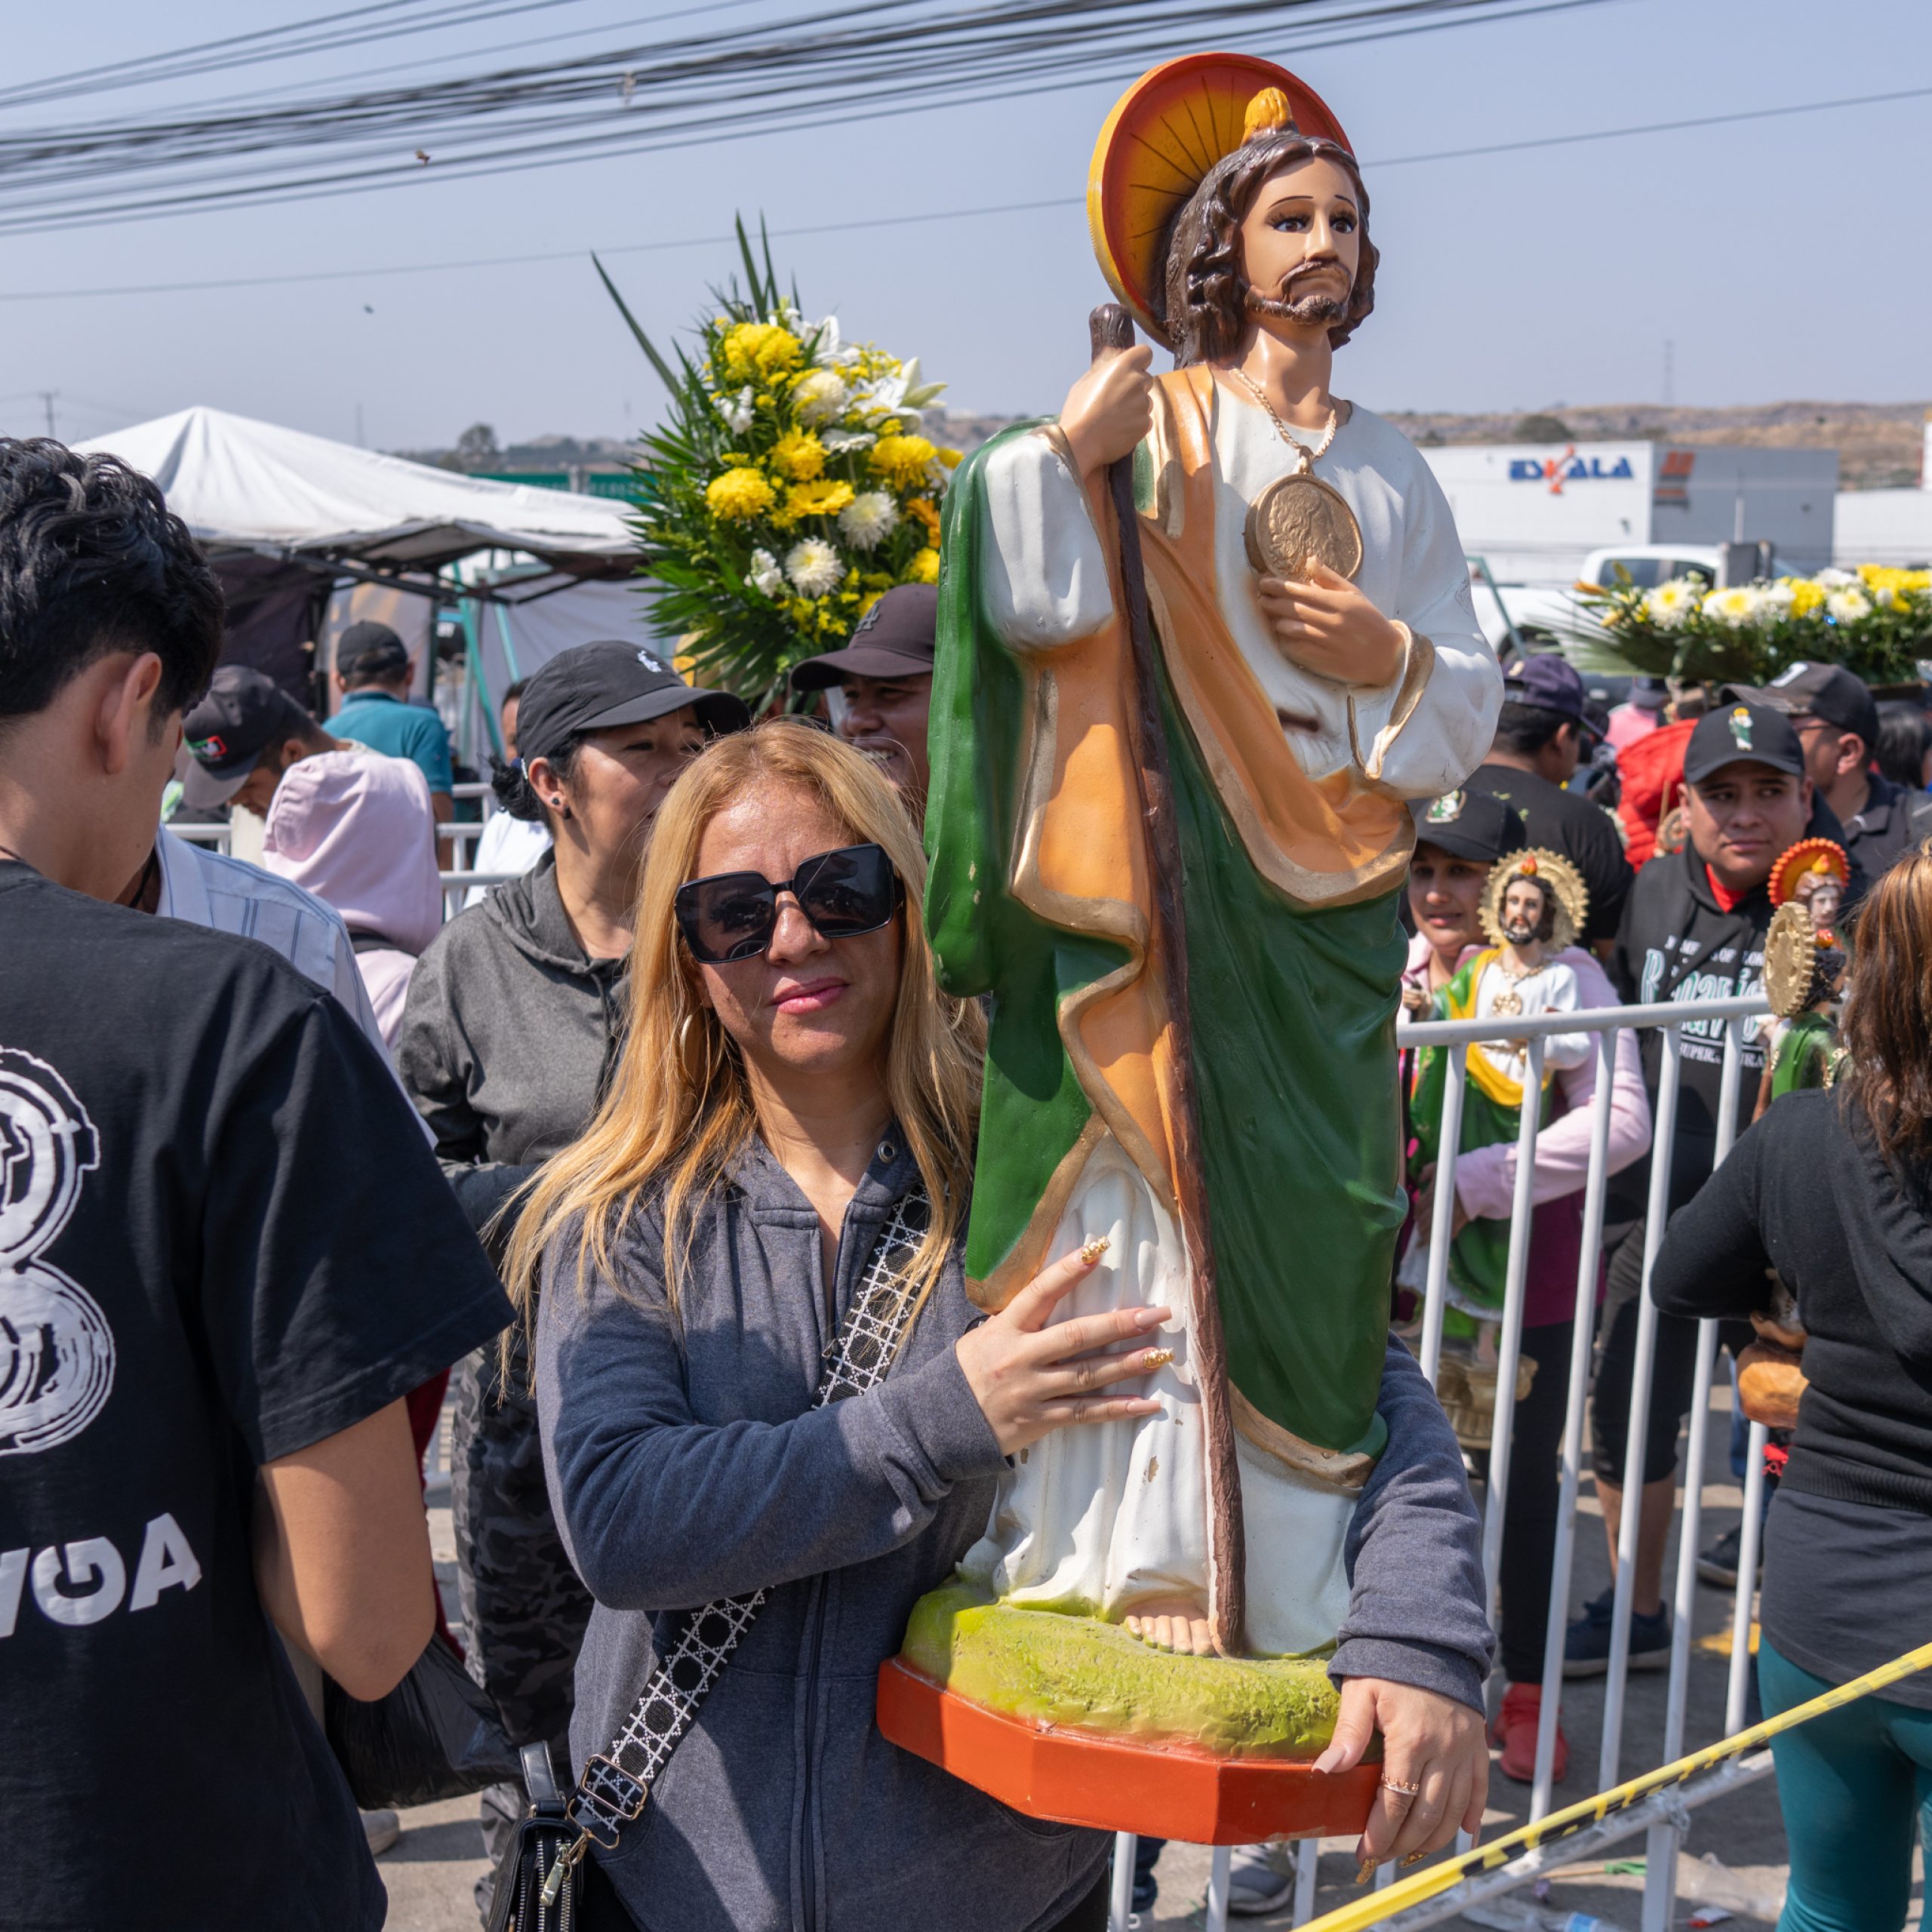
[1853, 1785]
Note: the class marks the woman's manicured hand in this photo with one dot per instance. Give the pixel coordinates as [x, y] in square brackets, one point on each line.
[1328, 626]
[1431, 1746]
[1030, 1378]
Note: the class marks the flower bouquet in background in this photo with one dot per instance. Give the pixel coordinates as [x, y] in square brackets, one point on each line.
[1875, 621]
[787, 487]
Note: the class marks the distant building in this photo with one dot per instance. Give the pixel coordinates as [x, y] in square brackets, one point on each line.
[1534, 512]
[1889, 526]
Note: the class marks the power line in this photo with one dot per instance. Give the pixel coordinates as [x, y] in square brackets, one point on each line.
[846, 62]
[903, 220]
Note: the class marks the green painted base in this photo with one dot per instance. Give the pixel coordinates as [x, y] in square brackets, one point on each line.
[1052, 1668]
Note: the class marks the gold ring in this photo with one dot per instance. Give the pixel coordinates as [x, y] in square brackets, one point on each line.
[1396, 1784]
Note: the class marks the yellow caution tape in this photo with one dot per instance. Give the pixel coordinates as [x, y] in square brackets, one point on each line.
[1377, 1907]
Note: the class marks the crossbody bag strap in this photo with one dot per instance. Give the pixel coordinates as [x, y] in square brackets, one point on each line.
[617, 1784]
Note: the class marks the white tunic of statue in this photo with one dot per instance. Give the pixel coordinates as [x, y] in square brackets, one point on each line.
[1106, 1517]
[1552, 988]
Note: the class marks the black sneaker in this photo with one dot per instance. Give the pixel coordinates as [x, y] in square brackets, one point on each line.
[1586, 1643]
[1719, 1564]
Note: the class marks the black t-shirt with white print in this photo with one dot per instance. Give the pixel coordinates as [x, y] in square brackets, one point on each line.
[222, 1239]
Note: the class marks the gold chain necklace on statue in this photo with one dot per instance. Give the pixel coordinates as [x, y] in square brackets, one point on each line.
[1299, 520]
[1509, 1002]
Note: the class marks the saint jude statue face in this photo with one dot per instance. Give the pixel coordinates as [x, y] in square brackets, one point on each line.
[1301, 246]
[1522, 912]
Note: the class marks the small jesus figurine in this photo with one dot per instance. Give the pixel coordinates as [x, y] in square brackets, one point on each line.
[1534, 906]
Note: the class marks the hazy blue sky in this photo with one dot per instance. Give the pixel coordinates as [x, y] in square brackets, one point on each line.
[1786, 258]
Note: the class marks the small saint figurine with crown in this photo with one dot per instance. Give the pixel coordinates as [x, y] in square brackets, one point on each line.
[1534, 906]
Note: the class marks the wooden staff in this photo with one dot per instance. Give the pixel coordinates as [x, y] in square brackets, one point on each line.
[1111, 329]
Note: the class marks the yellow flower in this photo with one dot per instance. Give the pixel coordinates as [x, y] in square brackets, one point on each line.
[924, 568]
[798, 455]
[902, 460]
[825, 498]
[1807, 594]
[739, 495]
[927, 511]
[1882, 577]
[756, 352]
[951, 458]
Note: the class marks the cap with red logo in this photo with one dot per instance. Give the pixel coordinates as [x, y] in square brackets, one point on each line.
[243, 714]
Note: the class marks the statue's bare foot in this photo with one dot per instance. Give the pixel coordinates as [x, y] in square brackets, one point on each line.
[1174, 1623]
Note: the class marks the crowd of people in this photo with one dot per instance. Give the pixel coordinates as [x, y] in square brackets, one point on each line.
[612, 1152]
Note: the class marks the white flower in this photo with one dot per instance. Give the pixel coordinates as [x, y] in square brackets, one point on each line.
[814, 567]
[1884, 596]
[1846, 607]
[1775, 600]
[820, 397]
[764, 573]
[1834, 579]
[868, 519]
[1738, 606]
[738, 415]
[1669, 605]
[842, 442]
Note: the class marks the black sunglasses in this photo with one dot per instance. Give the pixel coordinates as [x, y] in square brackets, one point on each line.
[732, 915]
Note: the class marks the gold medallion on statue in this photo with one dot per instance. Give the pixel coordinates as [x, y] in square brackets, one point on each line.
[1298, 521]
[1508, 1004]
[1790, 960]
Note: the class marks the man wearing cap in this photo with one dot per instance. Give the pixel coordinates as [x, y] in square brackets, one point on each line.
[1692, 929]
[881, 685]
[1837, 719]
[1541, 736]
[511, 1021]
[373, 665]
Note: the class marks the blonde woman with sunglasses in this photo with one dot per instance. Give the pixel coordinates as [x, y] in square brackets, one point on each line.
[791, 1128]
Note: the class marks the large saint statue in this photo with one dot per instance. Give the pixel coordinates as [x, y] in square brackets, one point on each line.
[1318, 666]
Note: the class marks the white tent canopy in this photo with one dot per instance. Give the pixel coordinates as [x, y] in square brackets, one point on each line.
[242, 484]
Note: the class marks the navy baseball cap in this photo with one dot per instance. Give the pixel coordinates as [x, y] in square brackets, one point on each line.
[897, 638]
[1737, 734]
[243, 714]
[1550, 682]
[1470, 825]
[598, 687]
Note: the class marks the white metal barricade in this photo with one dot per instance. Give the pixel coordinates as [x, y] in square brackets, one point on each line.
[216, 835]
[1736, 1019]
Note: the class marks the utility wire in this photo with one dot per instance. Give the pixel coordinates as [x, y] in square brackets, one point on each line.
[840, 63]
[308, 275]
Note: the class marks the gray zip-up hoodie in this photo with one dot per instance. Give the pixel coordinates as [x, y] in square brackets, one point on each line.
[508, 1035]
[685, 1465]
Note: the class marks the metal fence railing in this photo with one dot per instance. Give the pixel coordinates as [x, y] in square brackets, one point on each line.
[1736, 1019]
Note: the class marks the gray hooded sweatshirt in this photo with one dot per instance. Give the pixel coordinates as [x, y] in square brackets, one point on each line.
[685, 1465]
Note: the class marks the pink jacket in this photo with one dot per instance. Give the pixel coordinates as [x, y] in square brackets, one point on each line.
[1486, 1178]
[355, 828]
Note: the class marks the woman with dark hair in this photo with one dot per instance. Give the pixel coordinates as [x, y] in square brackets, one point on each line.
[1832, 1189]
[789, 1134]
[509, 1033]
[1903, 753]
[518, 833]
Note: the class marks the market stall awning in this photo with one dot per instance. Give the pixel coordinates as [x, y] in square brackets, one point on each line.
[243, 485]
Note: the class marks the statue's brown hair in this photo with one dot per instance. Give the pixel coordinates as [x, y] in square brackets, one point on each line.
[1204, 304]
[1888, 1025]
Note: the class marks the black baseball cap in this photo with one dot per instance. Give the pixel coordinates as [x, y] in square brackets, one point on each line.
[1735, 733]
[1470, 825]
[897, 638]
[597, 686]
[370, 650]
[243, 714]
[1829, 691]
[1551, 683]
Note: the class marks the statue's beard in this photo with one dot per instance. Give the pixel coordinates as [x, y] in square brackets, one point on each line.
[1307, 311]
[1520, 932]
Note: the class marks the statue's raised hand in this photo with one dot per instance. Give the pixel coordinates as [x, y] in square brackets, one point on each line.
[1328, 626]
[1031, 1375]
[1110, 409]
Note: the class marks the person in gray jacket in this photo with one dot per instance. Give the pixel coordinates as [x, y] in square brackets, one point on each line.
[509, 1033]
[790, 1125]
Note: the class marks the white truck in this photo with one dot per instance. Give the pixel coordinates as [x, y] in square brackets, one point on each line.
[1545, 617]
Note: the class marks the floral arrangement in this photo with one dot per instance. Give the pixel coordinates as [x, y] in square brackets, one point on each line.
[789, 486]
[1875, 621]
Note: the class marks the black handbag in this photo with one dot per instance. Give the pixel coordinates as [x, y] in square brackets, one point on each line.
[539, 1885]
[436, 1735]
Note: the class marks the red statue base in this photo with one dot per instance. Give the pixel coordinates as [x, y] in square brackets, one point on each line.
[1115, 1784]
